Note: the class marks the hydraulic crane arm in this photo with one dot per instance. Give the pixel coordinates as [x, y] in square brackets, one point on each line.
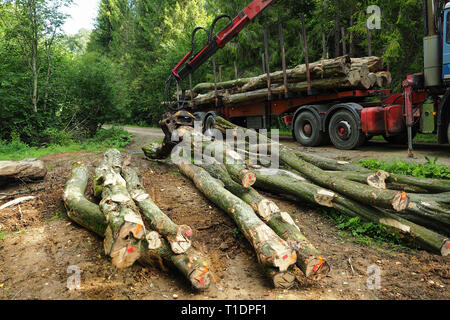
[192, 61]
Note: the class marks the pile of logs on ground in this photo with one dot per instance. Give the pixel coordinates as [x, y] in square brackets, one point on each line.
[338, 74]
[117, 218]
[416, 209]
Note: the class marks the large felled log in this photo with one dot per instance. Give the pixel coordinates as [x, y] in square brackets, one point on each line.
[381, 198]
[338, 67]
[271, 250]
[156, 151]
[87, 214]
[400, 182]
[25, 170]
[179, 237]
[207, 87]
[388, 199]
[308, 192]
[280, 280]
[330, 164]
[375, 64]
[309, 259]
[299, 87]
[126, 231]
[384, 78]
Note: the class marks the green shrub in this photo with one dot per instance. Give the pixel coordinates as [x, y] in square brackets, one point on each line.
[104, 139]
[430, 169]
[367, 233]
[115, 137]
[56, 136]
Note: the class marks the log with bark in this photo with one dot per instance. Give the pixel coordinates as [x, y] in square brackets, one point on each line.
[309, 259]
[375, 64]
[207, 87]
[298, 87]
[398, 182]
[360, 174]
[157, 151]
[341, 73]
[25, 170]
[424, 207]
[330, 164]
[126, 231]
[270, 249]
[179, 236]
[337, 67]
[372, 196]
[310, 193]
[192, 264]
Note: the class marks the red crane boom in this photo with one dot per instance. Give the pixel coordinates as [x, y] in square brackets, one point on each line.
[192, 62]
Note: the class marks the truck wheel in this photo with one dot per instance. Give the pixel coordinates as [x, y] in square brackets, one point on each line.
[307, 130]
[209, 123]
[344, 132]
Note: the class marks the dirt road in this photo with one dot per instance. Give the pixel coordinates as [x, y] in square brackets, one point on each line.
[372, 150]
[40, 248]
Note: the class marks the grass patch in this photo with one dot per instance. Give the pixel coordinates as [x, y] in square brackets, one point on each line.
[136, 125]
[429, 169]
[367, 233]
[103, 140]
[281, 132]
[420, 137]
[2, 235]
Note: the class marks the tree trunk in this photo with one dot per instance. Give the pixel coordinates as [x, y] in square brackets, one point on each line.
[304, 191]
[309, 259]
[87, 214]
[79, 209]
[280, 280]
[203, 88]
[330, 164]
[270, 249]
[400, 182]
[381, 198]
[179, 237]
[126, 229]
[337, 33]
[421, 206]
[26, 170]
[375, 64]
[157, 151]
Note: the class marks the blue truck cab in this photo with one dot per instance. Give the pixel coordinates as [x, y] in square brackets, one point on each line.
[446, 45]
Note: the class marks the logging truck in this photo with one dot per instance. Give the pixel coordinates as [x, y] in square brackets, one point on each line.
[346, 118]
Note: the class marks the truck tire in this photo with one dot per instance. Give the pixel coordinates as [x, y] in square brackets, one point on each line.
[344, 131]
[209, 123]
[307, 130]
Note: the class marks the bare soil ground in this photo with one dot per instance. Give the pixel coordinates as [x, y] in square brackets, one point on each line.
[40, 243]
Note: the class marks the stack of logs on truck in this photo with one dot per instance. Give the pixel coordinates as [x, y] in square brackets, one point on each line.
[343, 100]
[414, 209]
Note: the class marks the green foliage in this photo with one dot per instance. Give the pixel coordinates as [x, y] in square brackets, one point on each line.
[367, 233]
[429, 169]
[103, 140]
[2, 235]
[113, 138]
[117, 72]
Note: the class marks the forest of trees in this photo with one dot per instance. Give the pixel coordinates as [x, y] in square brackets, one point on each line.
[53, 85]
